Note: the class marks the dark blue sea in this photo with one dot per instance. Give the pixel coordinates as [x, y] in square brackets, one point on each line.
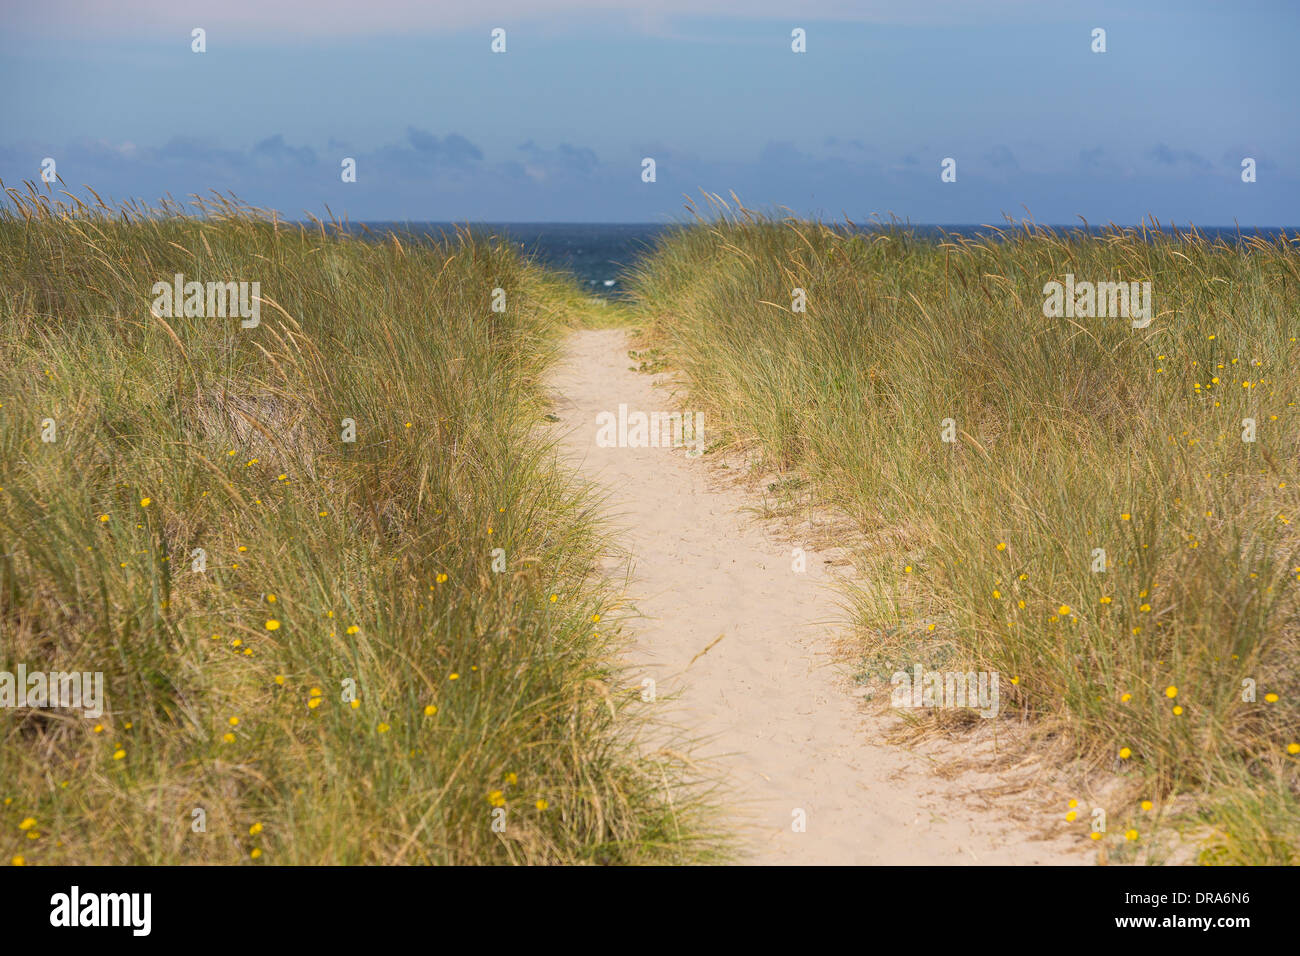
[599, 253]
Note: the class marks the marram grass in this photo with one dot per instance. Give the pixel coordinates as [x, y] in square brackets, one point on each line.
[1175, 667]
[348, 681]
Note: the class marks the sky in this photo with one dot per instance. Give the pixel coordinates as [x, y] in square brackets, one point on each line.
[557, 127]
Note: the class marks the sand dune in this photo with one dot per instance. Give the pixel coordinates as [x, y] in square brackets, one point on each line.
[744, 644]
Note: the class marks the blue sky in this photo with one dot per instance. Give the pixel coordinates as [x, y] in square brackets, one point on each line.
[556, 128]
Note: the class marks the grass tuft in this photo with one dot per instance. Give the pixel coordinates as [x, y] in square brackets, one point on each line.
[348, 681]
[1071, 435]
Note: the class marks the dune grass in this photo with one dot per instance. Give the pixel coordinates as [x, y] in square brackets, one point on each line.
[1175, 667]
[348, 680]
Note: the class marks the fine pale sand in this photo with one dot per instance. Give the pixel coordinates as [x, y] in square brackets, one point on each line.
[774, 715]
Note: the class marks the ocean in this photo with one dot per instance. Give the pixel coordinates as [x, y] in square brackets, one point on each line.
[599, 254]
[596, 253]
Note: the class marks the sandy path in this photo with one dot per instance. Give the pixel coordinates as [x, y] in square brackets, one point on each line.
[766, 699]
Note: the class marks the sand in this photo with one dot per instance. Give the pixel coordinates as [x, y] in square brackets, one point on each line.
[772, 710]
